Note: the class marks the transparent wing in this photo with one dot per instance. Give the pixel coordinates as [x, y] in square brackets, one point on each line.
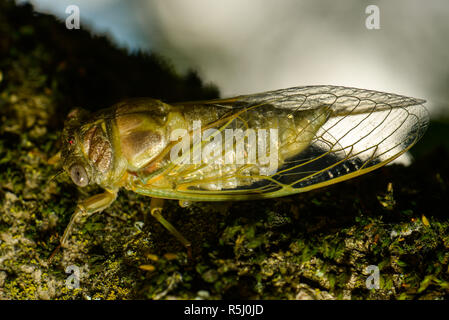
[342, 133]
[340, 99]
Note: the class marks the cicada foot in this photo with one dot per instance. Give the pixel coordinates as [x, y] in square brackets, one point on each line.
[156, 206]
[185, 203]
[85, 209]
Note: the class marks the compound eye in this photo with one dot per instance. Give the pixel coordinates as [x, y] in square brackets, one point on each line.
[79, 175]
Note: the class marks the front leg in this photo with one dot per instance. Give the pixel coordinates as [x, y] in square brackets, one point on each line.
[86, 208]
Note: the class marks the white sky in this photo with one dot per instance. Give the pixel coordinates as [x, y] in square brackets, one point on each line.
[247, 46]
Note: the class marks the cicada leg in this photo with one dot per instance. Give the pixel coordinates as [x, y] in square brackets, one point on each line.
[85, 209]
[156, 205]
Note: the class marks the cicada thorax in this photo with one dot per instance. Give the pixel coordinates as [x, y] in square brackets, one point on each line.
[144, 128]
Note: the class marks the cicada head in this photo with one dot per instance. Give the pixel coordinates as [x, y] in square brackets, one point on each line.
[86, 153]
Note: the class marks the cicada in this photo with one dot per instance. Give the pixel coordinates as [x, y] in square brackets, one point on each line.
[256, 146]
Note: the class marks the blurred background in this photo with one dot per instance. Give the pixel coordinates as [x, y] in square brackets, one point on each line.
[257, 45]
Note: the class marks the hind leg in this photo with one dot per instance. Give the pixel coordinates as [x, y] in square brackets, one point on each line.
[156, 206]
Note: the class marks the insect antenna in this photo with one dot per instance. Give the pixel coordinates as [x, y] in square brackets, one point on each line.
[56, 175]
